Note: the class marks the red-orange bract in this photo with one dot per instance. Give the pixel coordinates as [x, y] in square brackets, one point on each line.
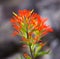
[25, 55]
[33, 21]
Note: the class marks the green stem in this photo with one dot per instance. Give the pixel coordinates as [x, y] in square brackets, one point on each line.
[31, 52]
[29, 45]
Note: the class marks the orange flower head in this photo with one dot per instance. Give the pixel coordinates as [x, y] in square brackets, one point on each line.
[27, 20]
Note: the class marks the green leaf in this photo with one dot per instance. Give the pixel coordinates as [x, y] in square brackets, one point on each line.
[38, 49]
[28, 57]
[43, 53]
[33, 46]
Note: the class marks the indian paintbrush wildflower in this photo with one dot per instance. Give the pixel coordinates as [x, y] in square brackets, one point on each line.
[31, 27]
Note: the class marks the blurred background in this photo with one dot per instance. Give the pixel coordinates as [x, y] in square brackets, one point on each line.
[9, 46]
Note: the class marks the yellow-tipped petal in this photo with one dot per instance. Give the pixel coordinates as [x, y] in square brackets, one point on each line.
[14, 14]
[32, 10]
